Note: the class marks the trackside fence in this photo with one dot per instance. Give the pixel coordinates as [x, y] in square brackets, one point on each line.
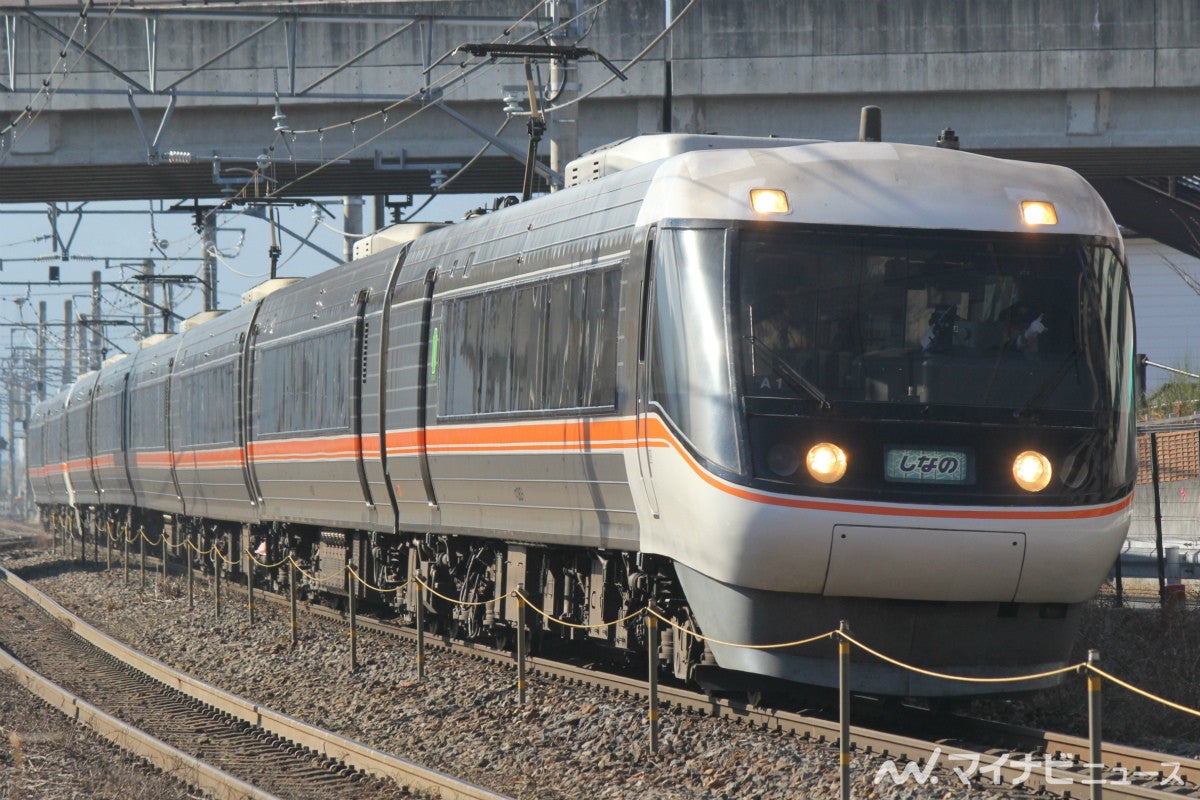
[650, 617]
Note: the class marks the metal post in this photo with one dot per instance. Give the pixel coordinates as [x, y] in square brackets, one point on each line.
[353, 622]
[1095, 743]
[96, 540]
[163, 540]
[68, 342]
[187, 554]
[15, 410]
[95, 329]
[148, 297]
[844, 709]
[142, 557]
[652, 676]
[208, 243]
[564, 76]
[250, 585]
[1158, 535]
[216, 556]
[41, 351]
[420, 631]
[292, 599]
[125, 550]
[521, 644]
[352, 208]
[108, 537]
[1120, 600]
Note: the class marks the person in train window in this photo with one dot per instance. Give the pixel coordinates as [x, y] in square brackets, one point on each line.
[774, 326]
[1026, 320]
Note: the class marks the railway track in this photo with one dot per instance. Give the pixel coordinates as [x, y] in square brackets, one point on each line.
[227, 746]
[973, 751]
[978, 752]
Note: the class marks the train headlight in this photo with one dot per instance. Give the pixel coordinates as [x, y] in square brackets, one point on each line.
[1038, 212]
[826, 462]
[1031, 470]
[769, 201]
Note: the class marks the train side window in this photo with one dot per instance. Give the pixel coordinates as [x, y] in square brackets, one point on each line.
[150, 433]
[462, 356]
[563, 335]
[497, 348]
[598, 383]
[206, 406]
[544, 346]
[528, 336]
[302, 386]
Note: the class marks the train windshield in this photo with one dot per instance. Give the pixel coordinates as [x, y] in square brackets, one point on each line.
[944, 325]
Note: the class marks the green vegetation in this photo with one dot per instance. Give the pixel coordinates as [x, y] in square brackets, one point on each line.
[1179, 398]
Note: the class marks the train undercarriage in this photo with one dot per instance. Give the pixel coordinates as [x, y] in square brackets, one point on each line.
[584, 599]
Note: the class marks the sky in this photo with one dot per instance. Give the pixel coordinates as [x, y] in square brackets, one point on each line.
[116, 237]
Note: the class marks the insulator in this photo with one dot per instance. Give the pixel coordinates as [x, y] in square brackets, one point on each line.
[179, 157]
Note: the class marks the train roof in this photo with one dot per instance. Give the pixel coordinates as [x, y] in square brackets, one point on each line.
[873, 184]
[638, 150]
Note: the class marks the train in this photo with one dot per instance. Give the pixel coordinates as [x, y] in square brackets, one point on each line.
[765, 385]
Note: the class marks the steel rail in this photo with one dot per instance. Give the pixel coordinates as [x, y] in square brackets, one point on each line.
[330, 745]
[179, 765]
[989, 767]
[1008, 767]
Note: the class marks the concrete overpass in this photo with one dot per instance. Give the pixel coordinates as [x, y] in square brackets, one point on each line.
[95, 99]
[110, 100]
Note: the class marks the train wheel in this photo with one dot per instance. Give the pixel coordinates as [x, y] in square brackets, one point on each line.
[688, 650]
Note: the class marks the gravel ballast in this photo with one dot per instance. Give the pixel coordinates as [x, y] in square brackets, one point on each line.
[464, 719]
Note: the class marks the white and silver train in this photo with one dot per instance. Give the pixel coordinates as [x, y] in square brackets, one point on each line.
[765, 384]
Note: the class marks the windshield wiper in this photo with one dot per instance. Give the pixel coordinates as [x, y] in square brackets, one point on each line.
[789, 374]
[1049, 385]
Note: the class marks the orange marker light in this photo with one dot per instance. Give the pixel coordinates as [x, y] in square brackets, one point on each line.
[1038, 212]
[769, 201]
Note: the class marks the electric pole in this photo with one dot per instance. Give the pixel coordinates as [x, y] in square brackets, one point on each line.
[41, 351]
[68, 342]
[148, 297]
[564, 87]
[95, 363]
[352, 222]
[208, 243]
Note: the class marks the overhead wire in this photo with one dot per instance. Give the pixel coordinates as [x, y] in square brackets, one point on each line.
[636, 59]
[46, 89]
[466, 71]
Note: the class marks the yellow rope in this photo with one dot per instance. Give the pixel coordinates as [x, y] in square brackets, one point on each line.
[700, 637]
[315, 578]
[945, 676]
[264, 565]
[354, 574]
[576, 625]
[199, 552]
[703, 638]
[1143, 692]
[469, 603]
[217, 552]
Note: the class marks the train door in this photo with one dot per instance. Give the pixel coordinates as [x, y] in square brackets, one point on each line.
[168, 436]
[245, 404]
[645, 439]
[360, 375]
[426, 365]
